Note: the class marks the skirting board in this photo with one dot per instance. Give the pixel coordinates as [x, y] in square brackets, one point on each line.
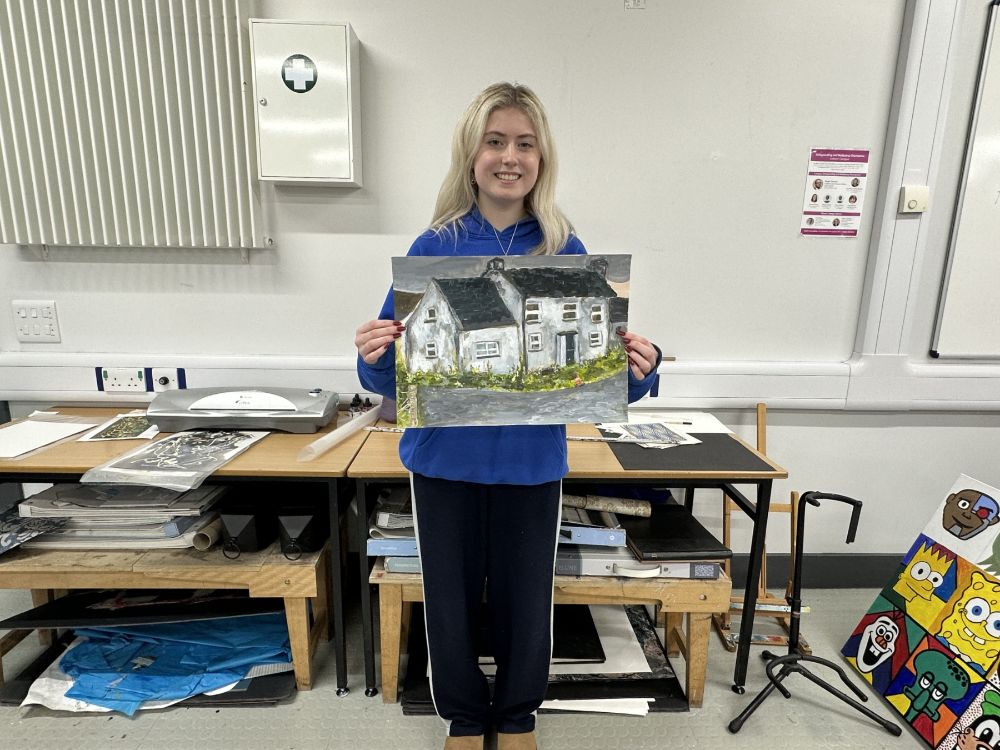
[825, 571]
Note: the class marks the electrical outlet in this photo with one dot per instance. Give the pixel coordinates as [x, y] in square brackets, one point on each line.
[121, 379]
[35, 321]
[166, 378]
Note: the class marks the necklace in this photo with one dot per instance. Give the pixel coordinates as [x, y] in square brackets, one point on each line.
[510, 241]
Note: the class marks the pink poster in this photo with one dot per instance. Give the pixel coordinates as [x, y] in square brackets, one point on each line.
[834, 192]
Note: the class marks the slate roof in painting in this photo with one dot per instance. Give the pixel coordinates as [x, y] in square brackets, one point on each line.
[476, 302]
[559, 282]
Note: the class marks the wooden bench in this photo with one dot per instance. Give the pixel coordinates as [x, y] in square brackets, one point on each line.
[675, 599]
[263, 574]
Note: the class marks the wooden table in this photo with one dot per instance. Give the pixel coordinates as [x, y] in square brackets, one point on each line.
[695, 601]
[718, 462]
[273, 458]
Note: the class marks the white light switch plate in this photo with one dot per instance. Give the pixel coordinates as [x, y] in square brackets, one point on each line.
[35, 321]
[913, 199]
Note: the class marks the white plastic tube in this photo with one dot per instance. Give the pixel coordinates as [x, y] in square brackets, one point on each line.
[322, 445]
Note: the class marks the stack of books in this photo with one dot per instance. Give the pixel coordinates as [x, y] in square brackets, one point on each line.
[120, 516]
[598, 536]
[391, 534]
[669, 543]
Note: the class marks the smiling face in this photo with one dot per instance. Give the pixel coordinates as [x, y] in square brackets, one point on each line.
[507, 163]
[877, 644]
[974, 625]
[967, 513]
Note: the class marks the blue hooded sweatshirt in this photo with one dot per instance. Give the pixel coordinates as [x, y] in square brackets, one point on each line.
[521, 454]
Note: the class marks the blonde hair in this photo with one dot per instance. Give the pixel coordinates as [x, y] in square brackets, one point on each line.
[458, 194]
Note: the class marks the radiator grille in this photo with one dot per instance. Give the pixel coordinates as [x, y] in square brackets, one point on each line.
[124, 123]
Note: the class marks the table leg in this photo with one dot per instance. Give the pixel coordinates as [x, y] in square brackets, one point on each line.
[297, 617]
[698, 628]
[336, 621]
[750, 590]
[390, 603]
[367, 619]
[689, 499]
[38, 598]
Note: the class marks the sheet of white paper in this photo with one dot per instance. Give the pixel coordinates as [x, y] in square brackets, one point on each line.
[701, 421]
[622, 652]
[31, 434]
[49, 690]
[631, 706]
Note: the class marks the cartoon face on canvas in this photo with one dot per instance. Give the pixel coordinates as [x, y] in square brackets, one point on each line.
[878, 641]
[923, 575]
[938, 679]
[984, 732]
[973, 628]
[968, 513]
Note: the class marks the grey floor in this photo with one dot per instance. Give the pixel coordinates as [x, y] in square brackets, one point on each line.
[318, 719]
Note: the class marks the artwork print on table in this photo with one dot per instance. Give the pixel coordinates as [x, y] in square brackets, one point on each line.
[511, 340]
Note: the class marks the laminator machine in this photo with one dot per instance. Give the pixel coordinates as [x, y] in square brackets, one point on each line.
[284, 409]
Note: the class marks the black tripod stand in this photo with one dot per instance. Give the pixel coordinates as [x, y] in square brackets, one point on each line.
[792, 662]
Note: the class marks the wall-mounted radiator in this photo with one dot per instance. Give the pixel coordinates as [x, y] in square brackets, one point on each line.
[124, 123]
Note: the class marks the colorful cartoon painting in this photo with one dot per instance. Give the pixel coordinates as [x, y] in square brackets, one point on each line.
[511, 339]
[968, 520]
[932, 690]
[881, 643]
[931, 637]
[926, 582]
[972, 627]
[979, 727]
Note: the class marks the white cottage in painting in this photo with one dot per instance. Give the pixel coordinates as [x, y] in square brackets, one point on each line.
[534, 317]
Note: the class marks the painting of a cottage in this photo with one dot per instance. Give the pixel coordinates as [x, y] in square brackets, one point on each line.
[511, 340]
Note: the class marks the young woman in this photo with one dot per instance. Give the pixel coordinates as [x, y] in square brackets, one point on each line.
[486, 500]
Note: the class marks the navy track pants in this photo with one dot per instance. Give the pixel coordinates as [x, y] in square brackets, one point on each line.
[503, 538]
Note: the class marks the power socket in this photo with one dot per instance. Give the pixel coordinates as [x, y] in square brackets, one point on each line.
[121, 379]
[166, 378]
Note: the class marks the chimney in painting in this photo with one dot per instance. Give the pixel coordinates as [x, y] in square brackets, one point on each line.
[493, 264]
[599, 266]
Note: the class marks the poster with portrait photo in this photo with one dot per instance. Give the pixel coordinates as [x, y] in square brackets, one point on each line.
[834, 192]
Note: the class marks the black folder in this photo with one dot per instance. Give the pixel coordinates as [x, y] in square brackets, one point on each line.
[671, 533]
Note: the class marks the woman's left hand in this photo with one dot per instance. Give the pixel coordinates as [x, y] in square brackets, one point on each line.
[641, 354]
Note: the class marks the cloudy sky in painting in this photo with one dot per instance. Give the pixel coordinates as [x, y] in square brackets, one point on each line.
[410, 274]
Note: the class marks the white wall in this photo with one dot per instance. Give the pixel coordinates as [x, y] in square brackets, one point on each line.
[684, 132]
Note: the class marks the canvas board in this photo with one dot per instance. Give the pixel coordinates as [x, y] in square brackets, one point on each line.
[929, 643]
[511, 340]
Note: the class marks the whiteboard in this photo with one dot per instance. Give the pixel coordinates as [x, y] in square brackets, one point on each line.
[968, 323]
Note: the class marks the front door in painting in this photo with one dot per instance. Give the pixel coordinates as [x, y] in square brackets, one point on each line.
[567, 348]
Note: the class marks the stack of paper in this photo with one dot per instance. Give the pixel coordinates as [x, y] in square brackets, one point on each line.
[122, 517]
[393, 533]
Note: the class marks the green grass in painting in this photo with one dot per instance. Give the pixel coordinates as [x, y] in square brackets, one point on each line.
[534, 381]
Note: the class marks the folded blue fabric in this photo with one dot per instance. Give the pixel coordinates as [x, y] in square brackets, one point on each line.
[121, 667]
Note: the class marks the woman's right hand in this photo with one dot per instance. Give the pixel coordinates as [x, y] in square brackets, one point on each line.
[374, 337]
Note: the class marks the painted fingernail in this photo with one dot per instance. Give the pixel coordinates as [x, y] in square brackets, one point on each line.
[396, 335]
[396, 322]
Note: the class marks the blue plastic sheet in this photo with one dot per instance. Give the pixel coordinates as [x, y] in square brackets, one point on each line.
[121, 667]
